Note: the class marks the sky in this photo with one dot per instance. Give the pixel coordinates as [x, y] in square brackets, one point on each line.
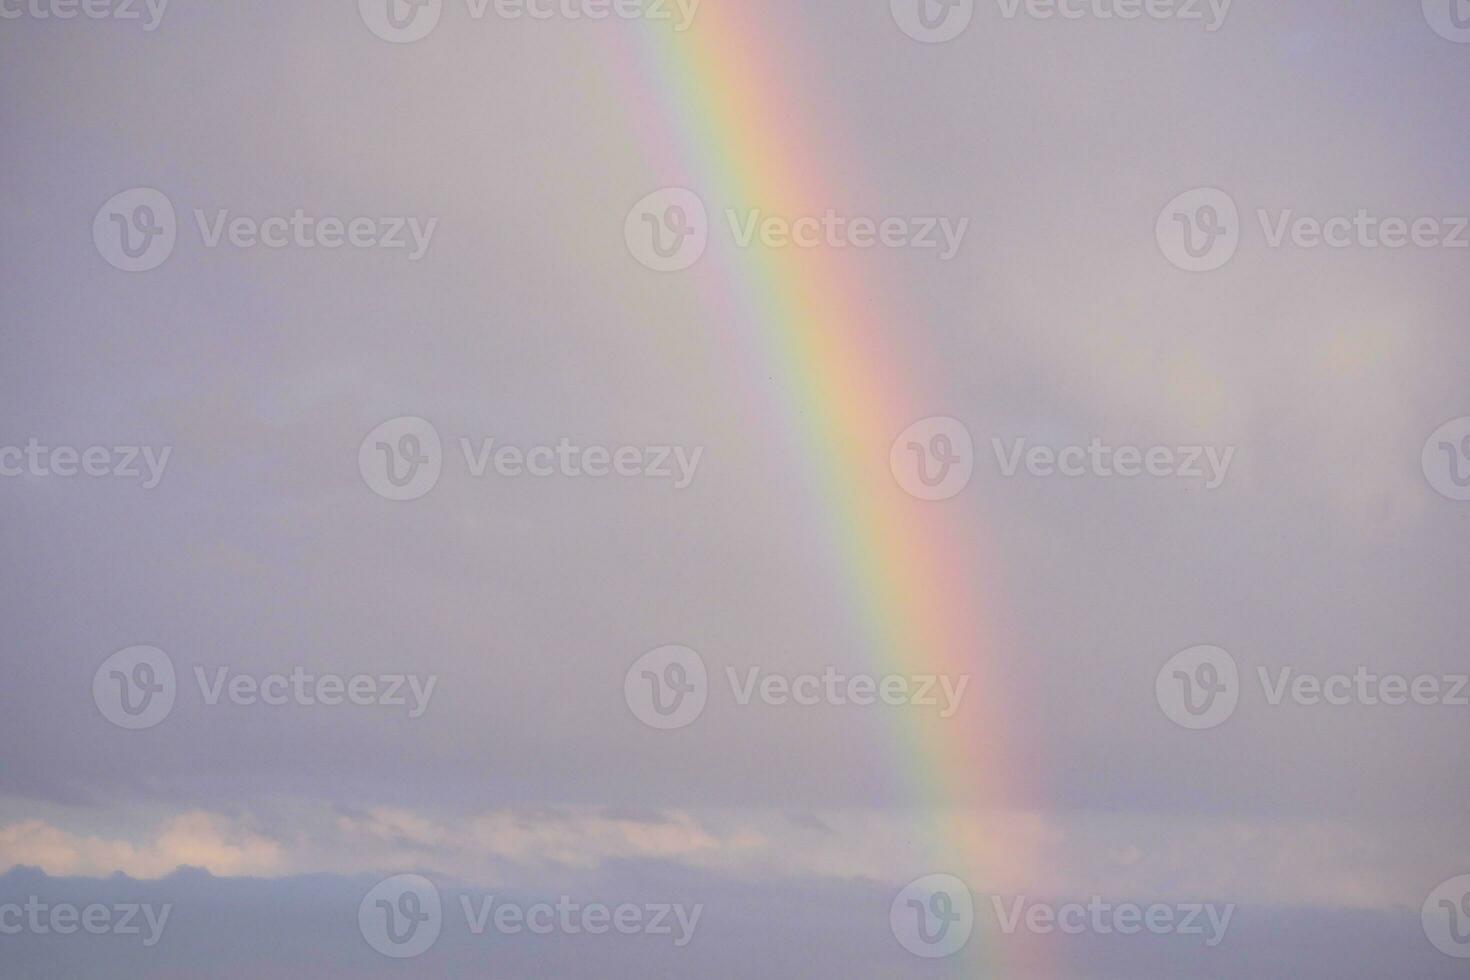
[259, 529]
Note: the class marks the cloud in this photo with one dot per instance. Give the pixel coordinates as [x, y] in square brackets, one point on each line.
[193, 839]
[1309, 863]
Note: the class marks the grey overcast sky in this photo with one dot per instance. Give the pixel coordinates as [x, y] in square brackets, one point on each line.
[1322, 377]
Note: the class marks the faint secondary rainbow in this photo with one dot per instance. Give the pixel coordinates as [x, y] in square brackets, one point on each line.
[911, 580]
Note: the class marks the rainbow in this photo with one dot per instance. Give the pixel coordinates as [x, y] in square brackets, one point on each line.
[826, 339]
